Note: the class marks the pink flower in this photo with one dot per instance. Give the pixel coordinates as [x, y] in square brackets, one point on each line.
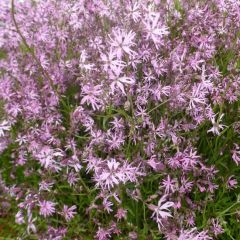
[102, 234]
[91, 96]
[161, 211]
[110, 176]
[198, 97]
[45, 186]
[107, 205]
[169, 185]
[68, 212]
[115, 140]
[111, 62]
[118, 123]
[134, 11]
[121, 214]
[120, 82]
[160, 91]
[48, 156]
[113, 173]
[155, 163]
[122, 41]
[153, 28]
[47, 208]
[232, 182]
[236, 154]
[193, 234]
[216, 227]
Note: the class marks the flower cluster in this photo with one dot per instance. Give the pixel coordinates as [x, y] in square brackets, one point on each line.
[100, 99]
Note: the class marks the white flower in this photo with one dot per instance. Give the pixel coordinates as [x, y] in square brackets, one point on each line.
[31, 226]
[21, 139]
[83, 63]
[19, 218]
[216, 125]
[4, 126]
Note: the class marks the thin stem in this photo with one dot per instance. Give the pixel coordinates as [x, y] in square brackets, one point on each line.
[84, 185]
[226, 210]
[158, 106]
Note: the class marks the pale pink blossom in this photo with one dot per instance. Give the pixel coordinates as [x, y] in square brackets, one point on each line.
[68, 212]
[122, 42]
[47, 208]
[161, 211]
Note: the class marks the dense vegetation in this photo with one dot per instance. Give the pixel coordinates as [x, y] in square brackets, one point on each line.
[119, 119]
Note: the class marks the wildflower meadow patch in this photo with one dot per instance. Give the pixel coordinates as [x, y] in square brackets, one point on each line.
[119, 119]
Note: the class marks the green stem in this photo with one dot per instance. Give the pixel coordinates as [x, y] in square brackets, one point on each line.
[158, 106]
[226, 210]
[84, 185]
